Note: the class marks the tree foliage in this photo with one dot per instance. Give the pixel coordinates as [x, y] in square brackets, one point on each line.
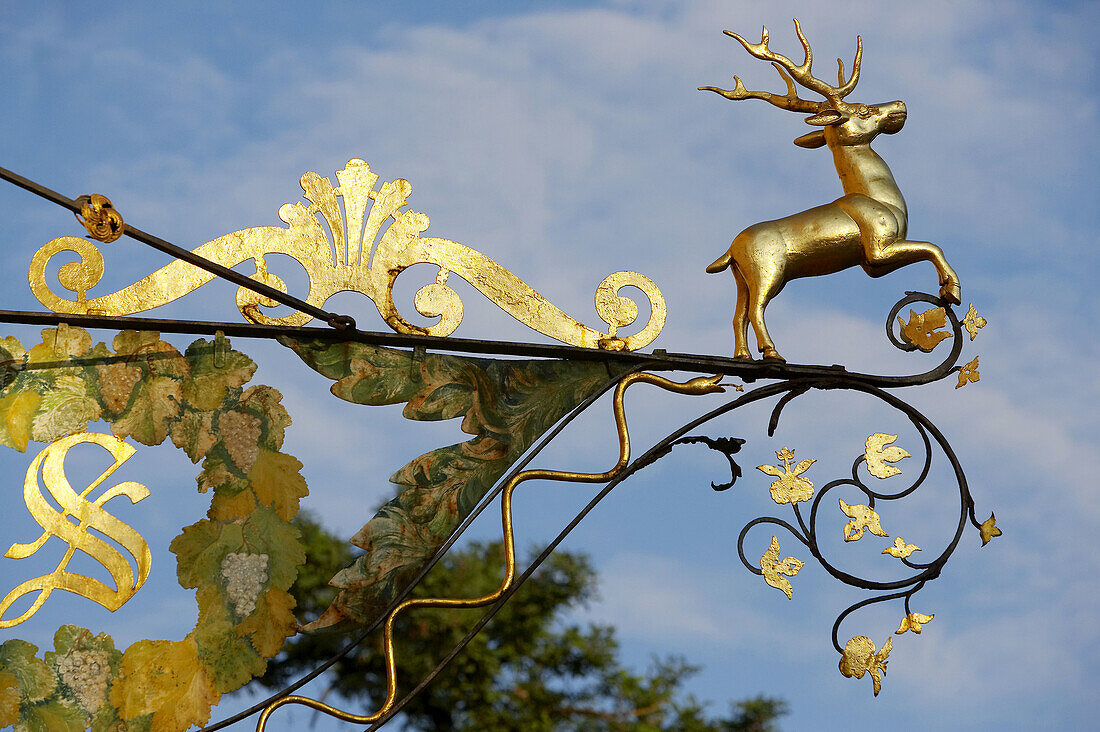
[527, 669]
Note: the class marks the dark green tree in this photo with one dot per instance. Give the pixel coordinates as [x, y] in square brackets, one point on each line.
[526, 670]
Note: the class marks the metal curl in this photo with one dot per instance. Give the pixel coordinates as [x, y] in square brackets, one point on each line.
[765, 520]
[948, 364]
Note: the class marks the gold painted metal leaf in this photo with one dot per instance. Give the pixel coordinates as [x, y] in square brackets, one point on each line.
[913, 622]
[863, 518]
[922, 330]
[968, 373]
[860, 657]
[989, 529]
[774, 568]
[972, 322]
[790, 488]
[876, 455]
[900, 549]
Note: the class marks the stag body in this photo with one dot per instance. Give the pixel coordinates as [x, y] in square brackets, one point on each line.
[866, 227]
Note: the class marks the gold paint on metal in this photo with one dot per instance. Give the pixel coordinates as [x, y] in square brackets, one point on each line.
[99, 216]
[866, 227]
[773, 568]
[860, 657]
[989, 529]
[968, 373]
[922, 330]
[87, 515]
[913, 622]
[877, 455]
[972, 322]
[696, 386]
[351, 261]
[900, 549]
[790, 488]
[863, 518]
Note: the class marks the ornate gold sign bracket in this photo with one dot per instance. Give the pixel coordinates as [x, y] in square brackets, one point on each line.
[352, 261]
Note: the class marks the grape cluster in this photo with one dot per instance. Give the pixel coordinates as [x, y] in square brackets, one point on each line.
[244, 575]
[86, 673]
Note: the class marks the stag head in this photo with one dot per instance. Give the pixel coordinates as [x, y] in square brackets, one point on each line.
[843, 123]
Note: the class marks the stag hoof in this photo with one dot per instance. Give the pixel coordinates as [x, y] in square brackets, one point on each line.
[952, 292]
[770, 354]
[742, 355]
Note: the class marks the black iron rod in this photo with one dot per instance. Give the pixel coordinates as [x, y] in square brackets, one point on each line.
[658, 360]
[213, 268]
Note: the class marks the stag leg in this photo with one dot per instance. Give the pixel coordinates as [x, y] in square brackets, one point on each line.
[740, 318]
[888, 257]
[759, 297]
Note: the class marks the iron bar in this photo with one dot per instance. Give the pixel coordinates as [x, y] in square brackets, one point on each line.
[334, 320]
[659, 360]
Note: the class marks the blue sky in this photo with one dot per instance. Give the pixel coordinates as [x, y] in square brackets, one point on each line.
[566, 141]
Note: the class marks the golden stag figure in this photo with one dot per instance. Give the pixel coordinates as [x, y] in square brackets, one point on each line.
[866, 226]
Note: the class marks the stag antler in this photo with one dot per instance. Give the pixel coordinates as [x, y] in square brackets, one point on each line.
[791, 72]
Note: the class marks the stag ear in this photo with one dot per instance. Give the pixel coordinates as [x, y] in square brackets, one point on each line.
[811, 139]
[826, 117]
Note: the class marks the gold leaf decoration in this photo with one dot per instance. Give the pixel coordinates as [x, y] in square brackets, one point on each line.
[972, 322]
[989, 529]
[913, 622]
[863, 518]
[877, 455]
[923, 329]
[774, 568]
[860, 657]
[790, 488]
[969, 372]
[900, 549]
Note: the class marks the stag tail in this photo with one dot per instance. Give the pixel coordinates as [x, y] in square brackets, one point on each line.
[719, 264]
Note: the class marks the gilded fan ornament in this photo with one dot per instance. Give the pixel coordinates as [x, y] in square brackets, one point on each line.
[350, 261]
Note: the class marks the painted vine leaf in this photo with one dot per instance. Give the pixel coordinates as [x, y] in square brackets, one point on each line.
[504, 405]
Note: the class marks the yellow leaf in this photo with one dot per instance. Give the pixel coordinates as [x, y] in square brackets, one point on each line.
[863, 518]
[989, 529]
[277, 483]
[17, 412]
[164, 678]
[9, 699]
[58, 344]
[900, 549]
[226, 507]
[271, 623]
[913, 622]
[922, 330]
[969, 373]
[877, 455]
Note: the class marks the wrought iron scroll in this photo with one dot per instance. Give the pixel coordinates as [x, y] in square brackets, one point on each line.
[859, 656]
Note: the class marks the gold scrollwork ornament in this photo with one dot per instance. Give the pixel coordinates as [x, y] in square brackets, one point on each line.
[352, 261]
[88, 515]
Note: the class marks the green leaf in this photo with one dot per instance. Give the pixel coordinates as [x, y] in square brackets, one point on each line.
[505, 405]
[266, 533]
[212, 371]
[65, 409]
[229, 659]
[201, 548]
[277, 482]
[53, 716]
[36, 680]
